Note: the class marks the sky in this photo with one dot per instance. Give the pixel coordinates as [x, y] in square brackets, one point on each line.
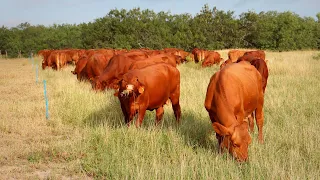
[48, 12]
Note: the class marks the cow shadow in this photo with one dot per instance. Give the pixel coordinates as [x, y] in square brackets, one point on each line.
[110, 115]
[194, 128]
[196, 131]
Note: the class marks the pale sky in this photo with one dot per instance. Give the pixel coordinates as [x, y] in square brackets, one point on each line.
[48, 12]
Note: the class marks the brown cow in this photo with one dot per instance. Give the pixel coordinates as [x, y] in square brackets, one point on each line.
[79, 66]
[76, 54]
[45, 54]
[114, 71]
[233, 55]
[51, 61]
[148, 89]
[202, 55]
[211, 59]
[259, 54]
[161, 58]
[57, 59]
[94, 66]
[234, 93]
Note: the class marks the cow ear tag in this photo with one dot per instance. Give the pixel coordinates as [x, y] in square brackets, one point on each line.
[141, 90]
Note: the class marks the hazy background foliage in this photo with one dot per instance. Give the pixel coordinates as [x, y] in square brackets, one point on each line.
[210, 28]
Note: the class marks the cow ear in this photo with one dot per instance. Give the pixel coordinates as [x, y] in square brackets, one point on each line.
[141, 89]
[220, 129]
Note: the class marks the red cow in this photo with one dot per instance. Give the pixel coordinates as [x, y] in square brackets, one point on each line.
[148, 89]
[211, 59]
[233, 55]
[80, 66]
[94, 66]
[114, 71]
[259, 54]
[51, 61]
[234, 93]
[161, 58]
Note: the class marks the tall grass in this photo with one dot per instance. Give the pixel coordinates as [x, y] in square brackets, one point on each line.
[99, 145]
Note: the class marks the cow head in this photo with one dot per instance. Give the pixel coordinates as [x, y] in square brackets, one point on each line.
[236, 139]
[129, 86]
[44, 64]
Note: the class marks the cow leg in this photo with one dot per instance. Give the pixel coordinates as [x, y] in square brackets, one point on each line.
[126, 115]
[141, 113]
[174, 97]
[219, 138]
[159, 114]
[251, 123]
[259, 120]
[176, 107]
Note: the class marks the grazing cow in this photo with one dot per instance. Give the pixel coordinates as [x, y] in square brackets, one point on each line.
[259, 54]
[211, 59]
[75, 54]
[233, 55]
[51, 60]
[57, 59]
[45, 54]
[79, 66]
[198, 54]
[179, 52]
[116, 68]
[234, 93]
[203, 55]
[149, 88]
[161, 58]
[94, 66]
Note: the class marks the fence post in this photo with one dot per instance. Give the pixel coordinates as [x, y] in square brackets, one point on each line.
[46, 98]
[37, 73]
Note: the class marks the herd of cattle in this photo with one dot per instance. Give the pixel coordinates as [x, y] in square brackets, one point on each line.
[148, 79]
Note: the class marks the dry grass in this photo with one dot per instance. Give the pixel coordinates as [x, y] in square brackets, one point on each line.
[28, 141]
[85, 136]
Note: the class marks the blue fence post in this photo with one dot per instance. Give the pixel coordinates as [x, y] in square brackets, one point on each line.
[32, 62]
[37, 73]
[46, 98]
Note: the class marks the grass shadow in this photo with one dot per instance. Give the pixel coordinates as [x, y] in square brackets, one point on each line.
[110, 115]
[196, 131]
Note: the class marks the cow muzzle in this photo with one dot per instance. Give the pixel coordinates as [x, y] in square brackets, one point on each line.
[126, 92]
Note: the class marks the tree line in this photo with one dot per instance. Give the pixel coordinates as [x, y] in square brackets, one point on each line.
[209, 29]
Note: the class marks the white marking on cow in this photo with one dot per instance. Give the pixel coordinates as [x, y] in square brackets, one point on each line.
[129, 87]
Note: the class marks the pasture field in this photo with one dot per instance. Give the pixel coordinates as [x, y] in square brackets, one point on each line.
[86, 138]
